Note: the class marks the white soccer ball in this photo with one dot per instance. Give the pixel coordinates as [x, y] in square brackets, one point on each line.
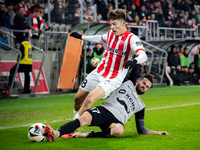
[36, 132]
[95, 61]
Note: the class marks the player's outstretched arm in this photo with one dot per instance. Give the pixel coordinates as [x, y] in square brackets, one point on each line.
[94, 38]
[143, 130]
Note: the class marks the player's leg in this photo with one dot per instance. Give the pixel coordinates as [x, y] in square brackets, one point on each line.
[27, 82]
[69, 127]
[103, 89]
[91, 98]
[79, 98]
[12, 72]
[116, 129]
[88, 84]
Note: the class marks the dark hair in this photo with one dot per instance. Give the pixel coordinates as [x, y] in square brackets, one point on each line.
[172, 46]
[180, 46]
[117, 14]
[20, 8]
[148, 76]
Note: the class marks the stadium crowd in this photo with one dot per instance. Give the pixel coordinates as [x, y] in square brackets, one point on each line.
[174, 13]
[183, 72]
[32, 16]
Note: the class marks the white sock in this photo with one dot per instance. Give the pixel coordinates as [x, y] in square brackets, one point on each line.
[58, 133]
[76, 116]
[74, 113]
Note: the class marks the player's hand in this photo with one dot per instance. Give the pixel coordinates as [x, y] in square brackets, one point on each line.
[150, 132]
[162, 133]
[76, 35]
[130, 63]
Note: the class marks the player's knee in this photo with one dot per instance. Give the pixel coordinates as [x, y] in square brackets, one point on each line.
[85, 119]
[117, 130]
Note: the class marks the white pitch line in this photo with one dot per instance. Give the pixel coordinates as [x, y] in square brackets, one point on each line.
[24, 125]
[155, 108]
[172, 106]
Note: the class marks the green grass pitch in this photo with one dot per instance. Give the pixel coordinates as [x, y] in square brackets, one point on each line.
[172, 109]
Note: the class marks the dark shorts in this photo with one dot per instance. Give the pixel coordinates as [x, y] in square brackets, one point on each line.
[102, 117]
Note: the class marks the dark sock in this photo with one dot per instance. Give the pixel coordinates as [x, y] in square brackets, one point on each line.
[102, 134]
[69, 127]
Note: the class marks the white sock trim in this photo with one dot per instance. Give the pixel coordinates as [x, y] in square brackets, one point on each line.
[74, 112]
[76, 116]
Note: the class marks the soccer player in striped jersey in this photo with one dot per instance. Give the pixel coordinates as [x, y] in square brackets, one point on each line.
[121, 45]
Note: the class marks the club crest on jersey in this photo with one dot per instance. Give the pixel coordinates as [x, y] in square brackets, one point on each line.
[135, 95]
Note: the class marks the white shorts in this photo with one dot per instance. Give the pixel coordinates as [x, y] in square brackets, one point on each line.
[94, 80]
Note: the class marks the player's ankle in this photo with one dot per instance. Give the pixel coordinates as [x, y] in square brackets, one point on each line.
[58, 134]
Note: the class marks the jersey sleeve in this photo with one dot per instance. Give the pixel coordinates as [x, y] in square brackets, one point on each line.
[140, 125]
[96, 38]
[136, 44]
[137, 47]
[104, 37]
[140, 114]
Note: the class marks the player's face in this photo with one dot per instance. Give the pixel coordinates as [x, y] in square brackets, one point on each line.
[117, 26]
[143, 86]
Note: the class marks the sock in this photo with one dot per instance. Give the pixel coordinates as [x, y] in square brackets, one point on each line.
[69, 127]
[58, 133]
[74, 112]
[102, 134]
[76, 116]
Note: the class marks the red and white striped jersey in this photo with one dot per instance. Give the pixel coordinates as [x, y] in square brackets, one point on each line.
[118, 50]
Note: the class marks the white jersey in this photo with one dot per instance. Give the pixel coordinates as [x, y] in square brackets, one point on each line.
[118, 50]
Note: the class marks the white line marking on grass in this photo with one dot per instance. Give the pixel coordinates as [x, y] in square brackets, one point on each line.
[24, 125]
[155, 108]
[172, 106]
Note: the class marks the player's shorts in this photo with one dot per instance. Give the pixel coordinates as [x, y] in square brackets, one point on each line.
[94, 80]
[102, 117]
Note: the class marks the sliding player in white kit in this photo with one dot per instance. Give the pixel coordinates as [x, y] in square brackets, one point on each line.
[121, 45]
[112, 115]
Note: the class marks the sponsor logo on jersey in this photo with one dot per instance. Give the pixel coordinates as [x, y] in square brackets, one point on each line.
[124, 104]
[116, 51]
[138, 43]
[131, 101]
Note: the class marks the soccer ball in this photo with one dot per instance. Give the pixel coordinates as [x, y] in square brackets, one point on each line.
[36, 132]
[95, 61]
